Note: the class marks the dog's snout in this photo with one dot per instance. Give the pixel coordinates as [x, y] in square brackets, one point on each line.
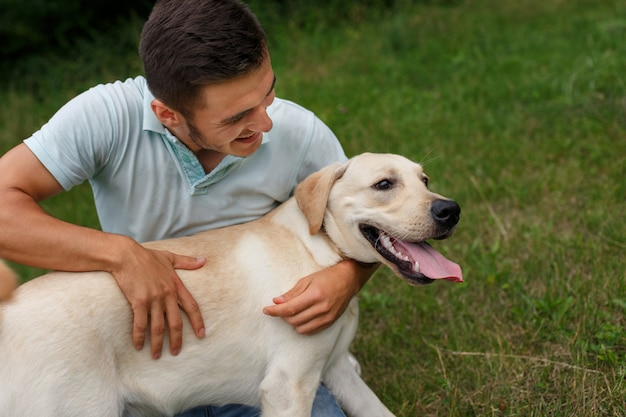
[445, 212]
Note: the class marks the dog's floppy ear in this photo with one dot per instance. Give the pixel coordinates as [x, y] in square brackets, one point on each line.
[312, 193]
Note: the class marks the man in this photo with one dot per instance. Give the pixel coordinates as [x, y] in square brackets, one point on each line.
[183, 150]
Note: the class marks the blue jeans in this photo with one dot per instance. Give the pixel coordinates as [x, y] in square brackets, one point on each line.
[324, 405]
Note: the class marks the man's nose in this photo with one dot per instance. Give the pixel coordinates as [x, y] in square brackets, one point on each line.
[261, 121]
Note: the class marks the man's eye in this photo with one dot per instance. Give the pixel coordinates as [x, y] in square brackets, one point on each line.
[236, 119]
[384, 185]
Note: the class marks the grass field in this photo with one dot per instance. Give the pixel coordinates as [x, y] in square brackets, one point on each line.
[517, 109]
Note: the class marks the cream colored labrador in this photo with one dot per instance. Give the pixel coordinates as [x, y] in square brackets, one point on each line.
[65, 338]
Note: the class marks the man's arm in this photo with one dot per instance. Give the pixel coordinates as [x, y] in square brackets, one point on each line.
[317, 300]
[147, 278]
[8, 281]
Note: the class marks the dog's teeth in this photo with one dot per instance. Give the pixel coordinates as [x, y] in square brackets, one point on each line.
[386, 241]
[416, 266]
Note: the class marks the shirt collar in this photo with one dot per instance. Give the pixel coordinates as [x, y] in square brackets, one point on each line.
[150, 121]
[197, 180]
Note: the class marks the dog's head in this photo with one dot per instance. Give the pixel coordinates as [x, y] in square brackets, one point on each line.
[378, 208]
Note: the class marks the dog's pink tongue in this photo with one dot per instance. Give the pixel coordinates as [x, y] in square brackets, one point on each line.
[434, 265]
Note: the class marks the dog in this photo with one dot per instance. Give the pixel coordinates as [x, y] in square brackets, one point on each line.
[65, 338]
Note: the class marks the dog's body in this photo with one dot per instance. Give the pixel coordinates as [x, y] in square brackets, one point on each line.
[65, 340]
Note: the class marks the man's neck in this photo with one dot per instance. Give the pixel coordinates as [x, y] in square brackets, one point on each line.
[209, 159]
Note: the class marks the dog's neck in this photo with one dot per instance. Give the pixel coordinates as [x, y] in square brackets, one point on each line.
[319, 245]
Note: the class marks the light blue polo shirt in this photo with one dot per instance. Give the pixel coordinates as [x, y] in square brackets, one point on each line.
[149, 186]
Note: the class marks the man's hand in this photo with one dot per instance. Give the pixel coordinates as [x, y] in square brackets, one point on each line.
[156, 294]
[317, 300]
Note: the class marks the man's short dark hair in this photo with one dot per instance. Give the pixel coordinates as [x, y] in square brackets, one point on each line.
[187, 44]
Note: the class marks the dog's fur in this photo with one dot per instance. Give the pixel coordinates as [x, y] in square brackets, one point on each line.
[65, 338]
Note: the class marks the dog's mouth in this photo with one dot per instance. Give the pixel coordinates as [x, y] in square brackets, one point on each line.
[417, 262]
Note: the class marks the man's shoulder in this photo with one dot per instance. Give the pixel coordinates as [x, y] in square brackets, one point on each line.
[292, 120]
[288, 111]
[131, 88]
[299, 136]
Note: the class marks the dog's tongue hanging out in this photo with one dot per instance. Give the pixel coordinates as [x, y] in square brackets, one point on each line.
[431, 263]
[434, 265]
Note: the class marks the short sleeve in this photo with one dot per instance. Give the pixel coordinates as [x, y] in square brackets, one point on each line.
[79, 139]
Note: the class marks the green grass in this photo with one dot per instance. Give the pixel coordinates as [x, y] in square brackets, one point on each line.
[518, 111]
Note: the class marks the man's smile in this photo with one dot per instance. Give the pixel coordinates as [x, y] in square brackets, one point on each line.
[249, 139]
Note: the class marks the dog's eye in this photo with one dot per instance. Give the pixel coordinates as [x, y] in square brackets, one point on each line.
[384, 185]
[425, 181]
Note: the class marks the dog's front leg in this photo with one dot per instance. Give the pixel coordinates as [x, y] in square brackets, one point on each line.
[354, 396]
[284, 394]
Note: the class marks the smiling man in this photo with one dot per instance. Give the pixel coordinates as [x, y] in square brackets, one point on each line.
[200, 142]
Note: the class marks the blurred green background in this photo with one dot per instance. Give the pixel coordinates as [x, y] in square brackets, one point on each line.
[517, 109]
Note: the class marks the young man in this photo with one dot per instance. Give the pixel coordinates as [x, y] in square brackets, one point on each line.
[201, 142]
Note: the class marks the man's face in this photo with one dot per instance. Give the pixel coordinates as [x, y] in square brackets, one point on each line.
[233, 115]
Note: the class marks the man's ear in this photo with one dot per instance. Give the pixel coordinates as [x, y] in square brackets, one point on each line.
[170, 118]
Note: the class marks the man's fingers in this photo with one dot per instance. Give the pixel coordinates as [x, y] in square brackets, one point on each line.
[187, 262]
[314, 326]
[296, 309]
[289, 304]
[157, 330]
[175, 326]
[306, 321]
[186, 301]
[140, 324]
[189, 305]
[300, 287]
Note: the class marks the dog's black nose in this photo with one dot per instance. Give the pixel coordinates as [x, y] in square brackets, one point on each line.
[445, 212]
